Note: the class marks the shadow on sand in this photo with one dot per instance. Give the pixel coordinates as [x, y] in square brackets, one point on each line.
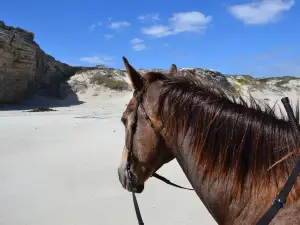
[43, 102]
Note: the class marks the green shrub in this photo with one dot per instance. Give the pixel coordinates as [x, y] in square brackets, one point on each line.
[110, 82]
[255, 84]
[237, 89]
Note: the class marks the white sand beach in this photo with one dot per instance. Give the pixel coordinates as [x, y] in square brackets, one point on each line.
[60, 168]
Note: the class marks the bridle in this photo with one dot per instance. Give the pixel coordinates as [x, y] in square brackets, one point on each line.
[277, 203]
[138, 95]
[139, 98]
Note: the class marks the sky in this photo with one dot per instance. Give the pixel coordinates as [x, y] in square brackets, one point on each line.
[258, 38]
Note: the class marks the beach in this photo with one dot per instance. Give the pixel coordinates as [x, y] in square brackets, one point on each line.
[60, 167]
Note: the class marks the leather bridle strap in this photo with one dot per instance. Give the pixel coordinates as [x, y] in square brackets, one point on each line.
[136, 205]
[137, 209]
[280, 200]
[169, 182]
[130, 153]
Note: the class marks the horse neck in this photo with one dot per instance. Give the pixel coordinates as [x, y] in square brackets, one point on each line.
[210, 192]
[219, 194]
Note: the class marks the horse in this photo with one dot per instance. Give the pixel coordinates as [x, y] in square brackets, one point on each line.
[235, 153]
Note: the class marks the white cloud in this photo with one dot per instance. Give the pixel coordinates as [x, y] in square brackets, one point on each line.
[99, 23]
[180, 22]
[108, 36]
[139, 47]
[117, 25]
[157, 31]
[263, 12]
[136, 41]
[137, 44]
[96, 59]
[190, 21]
[149, 17]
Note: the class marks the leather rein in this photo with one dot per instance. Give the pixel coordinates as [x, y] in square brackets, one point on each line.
[277, 203]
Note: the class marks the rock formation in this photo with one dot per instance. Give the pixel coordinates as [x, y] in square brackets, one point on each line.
[25, 69]
[209, 76]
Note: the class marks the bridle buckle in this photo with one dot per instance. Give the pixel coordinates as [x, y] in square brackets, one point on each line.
[128, 173]
[279, 201]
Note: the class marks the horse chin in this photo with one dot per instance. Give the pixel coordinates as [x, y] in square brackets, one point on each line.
[139, 188]
[129, 186]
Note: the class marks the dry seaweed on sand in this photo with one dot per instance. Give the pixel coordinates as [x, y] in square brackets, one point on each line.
[42, 109]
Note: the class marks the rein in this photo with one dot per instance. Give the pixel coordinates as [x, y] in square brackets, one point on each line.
[277, 203]
[280, 200]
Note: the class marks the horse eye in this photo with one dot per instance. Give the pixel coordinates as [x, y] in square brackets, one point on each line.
[123, 120]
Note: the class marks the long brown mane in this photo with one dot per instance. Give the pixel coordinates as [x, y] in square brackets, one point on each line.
[228, 135]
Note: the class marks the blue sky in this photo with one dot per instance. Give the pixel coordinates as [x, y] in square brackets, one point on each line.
[260, 38]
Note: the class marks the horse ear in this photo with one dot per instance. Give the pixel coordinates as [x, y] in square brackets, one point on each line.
[135, 78]
[173, 69]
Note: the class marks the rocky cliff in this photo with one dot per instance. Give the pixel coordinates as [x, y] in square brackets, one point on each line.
[25, 69]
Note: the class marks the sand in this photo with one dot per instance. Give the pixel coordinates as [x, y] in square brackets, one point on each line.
[60, 168]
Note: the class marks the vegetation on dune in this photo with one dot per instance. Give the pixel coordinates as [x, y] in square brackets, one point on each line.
[237, 89]
[109, 81]
[250, 81]
[281, 81]
[261, 83]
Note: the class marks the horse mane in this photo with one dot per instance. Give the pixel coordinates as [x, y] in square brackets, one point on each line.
[227, 134]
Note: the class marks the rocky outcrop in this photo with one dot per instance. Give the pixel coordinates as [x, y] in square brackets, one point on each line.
[209, 76]
[205, 75]
[25, 69]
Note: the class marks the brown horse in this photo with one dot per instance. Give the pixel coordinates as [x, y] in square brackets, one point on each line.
[236, 155]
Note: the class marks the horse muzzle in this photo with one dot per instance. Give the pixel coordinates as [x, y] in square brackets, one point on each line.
[128, 182]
